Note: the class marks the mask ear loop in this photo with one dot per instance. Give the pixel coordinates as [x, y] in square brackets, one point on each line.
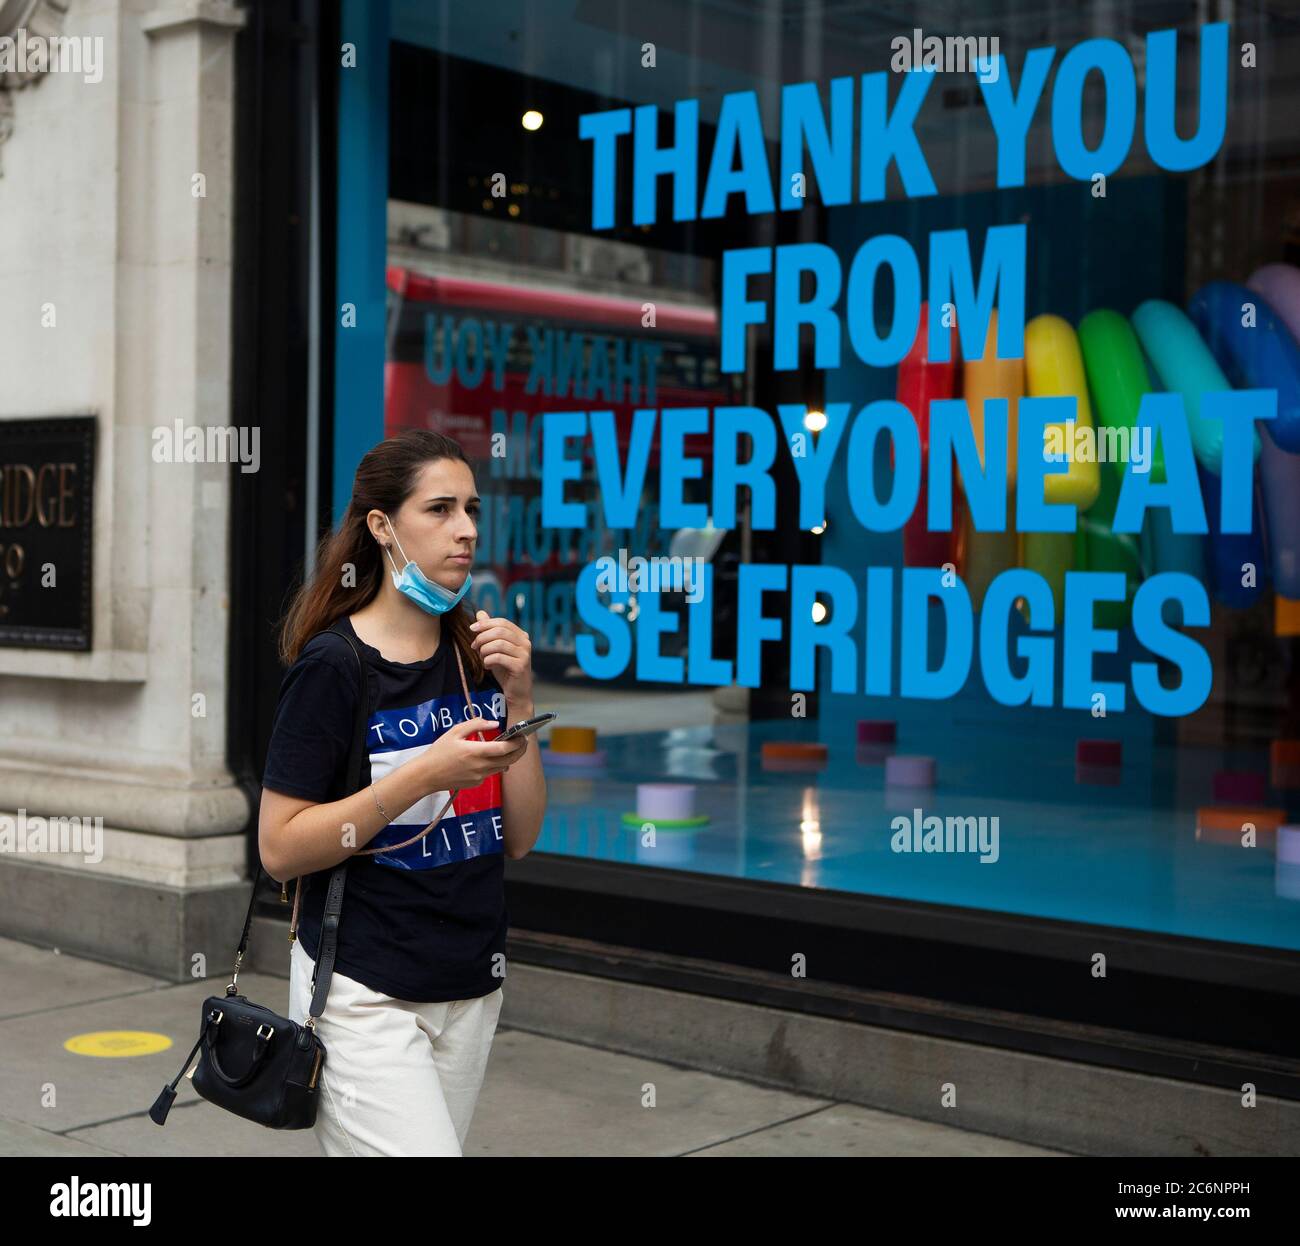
[400, 550]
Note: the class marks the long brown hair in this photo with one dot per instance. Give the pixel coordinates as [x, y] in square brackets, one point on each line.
[349, 561]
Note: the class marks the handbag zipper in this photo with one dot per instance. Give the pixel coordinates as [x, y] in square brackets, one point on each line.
[311, 1085]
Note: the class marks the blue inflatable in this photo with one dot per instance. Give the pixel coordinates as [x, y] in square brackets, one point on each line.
[1184, 364]
[1260, 353]
[1238, 563]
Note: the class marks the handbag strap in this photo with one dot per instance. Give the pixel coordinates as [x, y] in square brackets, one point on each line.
[334, 895]
[329, 927]
[326, 952]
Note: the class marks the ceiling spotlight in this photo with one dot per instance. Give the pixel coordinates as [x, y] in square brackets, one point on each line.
[531, 120]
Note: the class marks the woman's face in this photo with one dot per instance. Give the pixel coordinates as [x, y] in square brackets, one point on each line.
[438, 523]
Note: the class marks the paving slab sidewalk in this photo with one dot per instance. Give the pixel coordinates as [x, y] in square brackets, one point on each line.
[541, 1096]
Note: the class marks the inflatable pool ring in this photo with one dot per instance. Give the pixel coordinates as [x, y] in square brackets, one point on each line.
[1280, 286]
[1279, 482]
[1263, 355]
[985, 555]
[991, 377]
[1117, 379]
[1054, 367]
[1228, 554]
[1164, 550]
[1260, 355]
[919, 383]
[1185, 366]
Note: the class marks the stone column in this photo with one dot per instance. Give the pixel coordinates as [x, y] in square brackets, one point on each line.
[116, 205]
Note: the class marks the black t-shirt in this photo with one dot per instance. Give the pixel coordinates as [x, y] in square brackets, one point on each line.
[425, 922]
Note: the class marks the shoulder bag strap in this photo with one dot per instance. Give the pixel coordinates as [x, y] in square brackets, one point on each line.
[355, 754]
[329, 930]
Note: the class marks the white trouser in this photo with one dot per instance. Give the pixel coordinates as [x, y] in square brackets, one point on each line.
[399, 1078]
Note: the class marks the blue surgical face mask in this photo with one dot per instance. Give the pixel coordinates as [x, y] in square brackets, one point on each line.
[413, 583]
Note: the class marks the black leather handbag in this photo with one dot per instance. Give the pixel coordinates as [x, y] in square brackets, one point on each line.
[253, 1061]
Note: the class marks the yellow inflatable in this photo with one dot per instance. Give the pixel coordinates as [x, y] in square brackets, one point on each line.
[987, 554]
[1054, 368]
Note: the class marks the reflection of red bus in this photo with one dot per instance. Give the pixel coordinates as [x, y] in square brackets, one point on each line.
[443, 370]
[469, 358]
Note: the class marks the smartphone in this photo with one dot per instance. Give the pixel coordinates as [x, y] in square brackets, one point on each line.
[527, 727]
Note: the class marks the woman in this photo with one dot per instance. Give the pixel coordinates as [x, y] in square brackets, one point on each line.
[416, 990]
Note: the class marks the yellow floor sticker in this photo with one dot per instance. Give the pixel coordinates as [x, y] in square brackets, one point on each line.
[118, 1043]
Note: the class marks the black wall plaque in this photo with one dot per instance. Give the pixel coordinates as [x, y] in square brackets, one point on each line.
[47, 475]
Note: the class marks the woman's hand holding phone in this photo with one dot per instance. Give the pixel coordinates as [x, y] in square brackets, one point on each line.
[457, 759]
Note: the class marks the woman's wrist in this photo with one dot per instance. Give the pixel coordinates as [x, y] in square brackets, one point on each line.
[519, 709]
[432, 773]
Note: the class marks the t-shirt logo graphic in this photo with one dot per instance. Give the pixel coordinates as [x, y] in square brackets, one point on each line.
[471, 827]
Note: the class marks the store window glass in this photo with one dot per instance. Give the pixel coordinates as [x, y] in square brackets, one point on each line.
[508, 301]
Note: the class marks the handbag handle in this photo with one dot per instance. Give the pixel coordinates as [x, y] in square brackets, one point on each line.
[262, 1044]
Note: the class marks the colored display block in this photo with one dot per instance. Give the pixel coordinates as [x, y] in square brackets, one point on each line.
[572, 740]
[1284, 764]
[794, 750]
[1098, 776]
[673, 801]
[1225, 824]
[1288, 844]
[574, 761]
[877, 731]
[792, 765]
[1239, 787]
[1286, 616]
[666, 824]
[904, 770]
[1099, 753]
[873, 754]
